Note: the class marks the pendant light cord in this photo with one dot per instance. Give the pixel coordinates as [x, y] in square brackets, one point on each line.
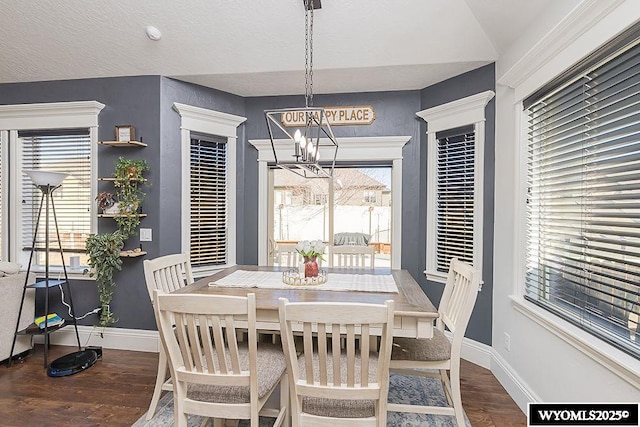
[308, 54]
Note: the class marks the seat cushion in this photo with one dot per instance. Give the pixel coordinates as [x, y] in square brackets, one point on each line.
[428, 350]
[271, 365]
[338, 408]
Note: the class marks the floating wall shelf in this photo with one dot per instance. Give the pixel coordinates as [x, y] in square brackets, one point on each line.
[123, 143]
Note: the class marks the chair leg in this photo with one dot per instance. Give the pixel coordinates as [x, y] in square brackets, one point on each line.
[160, 379]
[285, 402]
[179, 416]
[457, 399]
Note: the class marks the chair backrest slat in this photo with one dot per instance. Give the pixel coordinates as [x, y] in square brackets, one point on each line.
[364, 353]
[232, 344]
[307, 338]
[351, 256]
[218, 342]
[207, 344]
[181, 333]
[322, 352]
[335, 351]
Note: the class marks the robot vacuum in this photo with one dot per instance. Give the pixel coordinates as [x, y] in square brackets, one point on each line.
[72, 363]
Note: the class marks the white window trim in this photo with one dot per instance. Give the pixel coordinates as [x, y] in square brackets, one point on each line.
[461, 112]
[55, 115]
[209, 122]
[383, 148]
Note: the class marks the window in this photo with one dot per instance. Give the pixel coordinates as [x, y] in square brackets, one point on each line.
[208, 219]
[455, 176]
[583, 247]
[339, 218]
[67, 151]
[54, 136]
[319, 199]
[370, 196]
[208, 187]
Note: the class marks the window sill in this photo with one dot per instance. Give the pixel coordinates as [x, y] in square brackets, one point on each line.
[618, 362]
[435, 276]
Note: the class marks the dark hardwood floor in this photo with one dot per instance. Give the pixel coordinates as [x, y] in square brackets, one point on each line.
[116, 391]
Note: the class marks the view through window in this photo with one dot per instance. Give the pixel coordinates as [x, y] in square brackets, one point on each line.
[354, 209]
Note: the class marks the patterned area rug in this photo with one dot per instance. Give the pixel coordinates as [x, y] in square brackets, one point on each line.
[402, 389]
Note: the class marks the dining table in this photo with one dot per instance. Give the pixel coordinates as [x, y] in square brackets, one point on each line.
[414, 313]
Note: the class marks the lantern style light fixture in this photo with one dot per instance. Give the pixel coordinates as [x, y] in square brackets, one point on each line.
[298, 135]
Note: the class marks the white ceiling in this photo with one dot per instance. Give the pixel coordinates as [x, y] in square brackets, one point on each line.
[256, 47]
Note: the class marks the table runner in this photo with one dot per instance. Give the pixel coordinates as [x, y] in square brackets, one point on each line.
[335, 282]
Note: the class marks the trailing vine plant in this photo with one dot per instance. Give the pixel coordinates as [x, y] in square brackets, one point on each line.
[104, 258]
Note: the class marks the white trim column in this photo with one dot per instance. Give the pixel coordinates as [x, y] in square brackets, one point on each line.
[202, 120]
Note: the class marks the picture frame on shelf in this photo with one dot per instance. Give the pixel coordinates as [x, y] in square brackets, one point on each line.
[125, 133]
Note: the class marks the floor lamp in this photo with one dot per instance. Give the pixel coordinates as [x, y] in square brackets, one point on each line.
[47, 182]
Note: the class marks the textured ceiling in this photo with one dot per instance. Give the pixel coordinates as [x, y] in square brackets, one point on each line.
[256, 48]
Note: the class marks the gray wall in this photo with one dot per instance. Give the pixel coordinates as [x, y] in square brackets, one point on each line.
[471, 83]
[170, 157]
[128, 101]
[146, 103]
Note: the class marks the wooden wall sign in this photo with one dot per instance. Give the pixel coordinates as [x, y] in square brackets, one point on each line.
[336, 116]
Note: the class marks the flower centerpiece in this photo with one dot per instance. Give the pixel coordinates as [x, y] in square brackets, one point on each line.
[310, 251]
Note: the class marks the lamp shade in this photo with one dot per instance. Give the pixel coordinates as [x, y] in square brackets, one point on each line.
[44, 177]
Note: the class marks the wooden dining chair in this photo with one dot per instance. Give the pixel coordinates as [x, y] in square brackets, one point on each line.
[215, 375]
[331, 386]
[286, 255]
[412, 356]
[166, 274]
[352, 256]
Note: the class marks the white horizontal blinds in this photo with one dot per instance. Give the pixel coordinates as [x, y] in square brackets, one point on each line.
[208, 202]
[583, 247]
[455, 196]
[61, 151]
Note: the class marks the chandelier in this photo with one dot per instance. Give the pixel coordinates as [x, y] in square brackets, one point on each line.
[299, 135]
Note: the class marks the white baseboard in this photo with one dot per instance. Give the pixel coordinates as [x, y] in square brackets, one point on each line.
[115, 338]
[511, 381]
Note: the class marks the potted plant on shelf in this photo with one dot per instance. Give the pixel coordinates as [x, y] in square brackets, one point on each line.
[129, 175]
[107, 202]
[104, 259]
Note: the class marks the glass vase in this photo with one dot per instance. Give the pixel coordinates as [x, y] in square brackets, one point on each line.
[310, 267]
